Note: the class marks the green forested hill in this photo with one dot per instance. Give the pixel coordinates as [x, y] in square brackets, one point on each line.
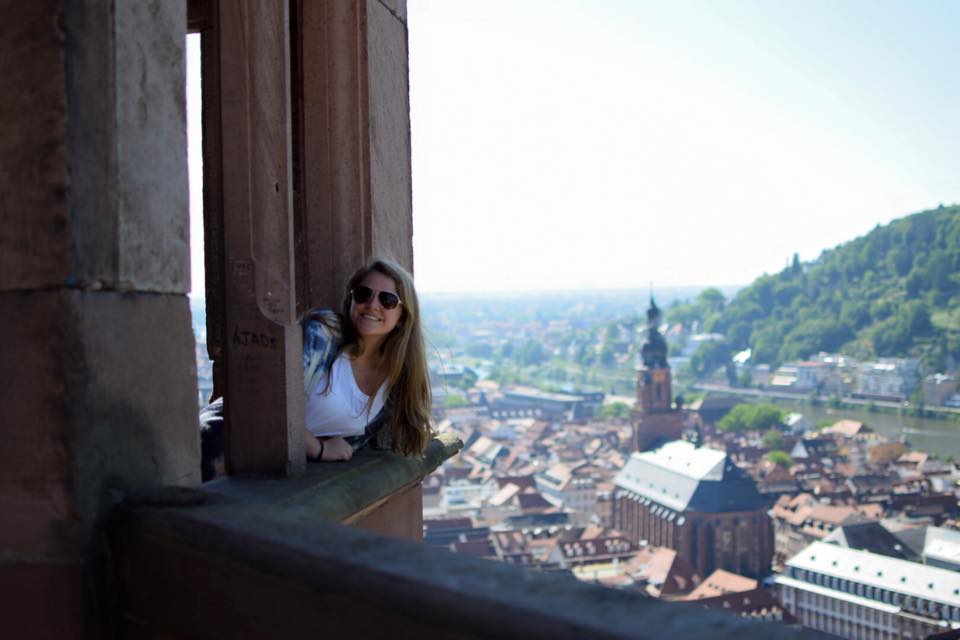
[893, 292]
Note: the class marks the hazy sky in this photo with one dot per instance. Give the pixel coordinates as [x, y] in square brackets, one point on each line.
[609, 144]
[603, 143]
[195, 165]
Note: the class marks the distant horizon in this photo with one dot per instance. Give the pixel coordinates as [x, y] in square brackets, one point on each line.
[640, 290]
[512, 293]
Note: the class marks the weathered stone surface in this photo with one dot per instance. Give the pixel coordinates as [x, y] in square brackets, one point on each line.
[97, 392]
[273, 571]
[91, 142]
[134, 389]
[129, 216]
[36, 480]
[399, 517]
[34, 245]
[264, 356]
[340, 492]
[355, 107]
[152, 200]
[397, 7]
[334, 166]
[388, 82]
[41, 600]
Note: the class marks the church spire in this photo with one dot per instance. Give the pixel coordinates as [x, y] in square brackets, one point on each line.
[654, 349]
[655, 420]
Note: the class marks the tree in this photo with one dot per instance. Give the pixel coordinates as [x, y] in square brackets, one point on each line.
[613, 330]
[751, 417]
[469, 379]
[780, 458]
[685, 314]
[855, 313]
[708, 306]
[531, 353]
[455, 400]
[711, 300]
[607, 356]
[585, 355]
[479, 350]
[614, 410]
[884, 294]
[917, 399]
[897, 334]
[772, 439]
[710, 356]
[731, 372]
[814, 336]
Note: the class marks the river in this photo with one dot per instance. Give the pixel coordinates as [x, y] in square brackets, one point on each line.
[924, 434]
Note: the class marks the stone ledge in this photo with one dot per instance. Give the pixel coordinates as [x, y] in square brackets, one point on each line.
[334, 491]
[222, 570]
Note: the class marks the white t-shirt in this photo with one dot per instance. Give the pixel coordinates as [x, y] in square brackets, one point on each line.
[342, 410]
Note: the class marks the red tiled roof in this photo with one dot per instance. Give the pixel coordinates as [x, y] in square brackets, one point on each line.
[720, 582]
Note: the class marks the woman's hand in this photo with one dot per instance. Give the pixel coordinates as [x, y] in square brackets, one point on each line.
[335, 449]
[312, 444]
[328, 450]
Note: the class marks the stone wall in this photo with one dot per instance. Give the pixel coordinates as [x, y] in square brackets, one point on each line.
[97, 379]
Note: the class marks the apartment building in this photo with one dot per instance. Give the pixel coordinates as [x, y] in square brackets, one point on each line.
[858, 594]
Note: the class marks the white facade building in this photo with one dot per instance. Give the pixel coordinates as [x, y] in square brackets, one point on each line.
[572, 489]
[941, 548]
[893, 378]
[464, 496]
[858, 594]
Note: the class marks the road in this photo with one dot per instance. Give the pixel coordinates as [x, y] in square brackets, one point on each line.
[800, 397]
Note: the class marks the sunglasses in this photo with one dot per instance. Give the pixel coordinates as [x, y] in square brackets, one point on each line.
[363, 295]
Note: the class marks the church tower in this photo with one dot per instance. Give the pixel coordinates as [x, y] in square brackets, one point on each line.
[655, 420]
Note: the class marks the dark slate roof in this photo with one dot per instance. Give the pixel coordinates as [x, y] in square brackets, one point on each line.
[682, 477]
[713, 408]
[913, 538]
[872, 537]
[532, 501]
[521, 481]
[870, 482]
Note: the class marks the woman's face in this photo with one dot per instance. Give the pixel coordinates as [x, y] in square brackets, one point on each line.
[371, 320]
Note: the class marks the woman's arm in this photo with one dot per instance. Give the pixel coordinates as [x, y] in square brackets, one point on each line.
[327, 450]
[312, 444]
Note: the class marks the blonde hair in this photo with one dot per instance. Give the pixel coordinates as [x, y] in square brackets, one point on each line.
[404, 358]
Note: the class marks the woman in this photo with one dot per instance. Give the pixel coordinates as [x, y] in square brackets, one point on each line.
[365, 369]
[365, 373]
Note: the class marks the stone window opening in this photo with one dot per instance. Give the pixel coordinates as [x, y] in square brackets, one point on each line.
[295, 193]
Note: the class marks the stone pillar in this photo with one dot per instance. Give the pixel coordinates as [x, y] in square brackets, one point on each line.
[97, 379]
[250, 199]
[353, 110]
